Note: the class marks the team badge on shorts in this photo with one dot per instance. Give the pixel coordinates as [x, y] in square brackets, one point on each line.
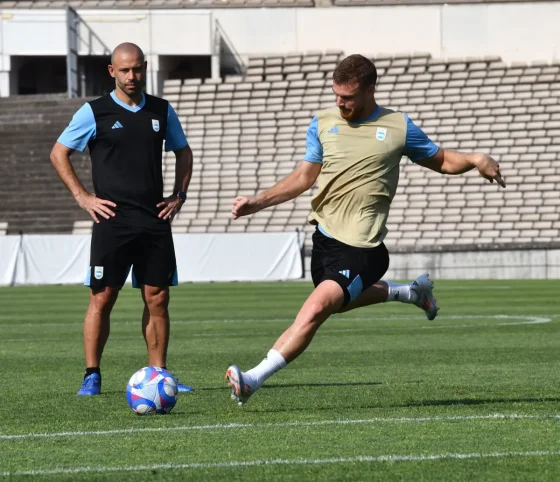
[155, 125]
[98, 272]
[381, 133]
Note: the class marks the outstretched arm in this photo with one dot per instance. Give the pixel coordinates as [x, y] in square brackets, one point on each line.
[421, 150]
[299, 181]
[453, 162]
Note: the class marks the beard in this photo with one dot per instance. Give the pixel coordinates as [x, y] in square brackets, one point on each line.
[351, 114]
[131, 89]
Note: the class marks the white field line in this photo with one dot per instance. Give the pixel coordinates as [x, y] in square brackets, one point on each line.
[256, 463]
[530, 319]
[228, 426]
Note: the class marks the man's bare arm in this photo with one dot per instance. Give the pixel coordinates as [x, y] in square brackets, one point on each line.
[452, 162]
[183, 174]
[295, 183]
[60, 158]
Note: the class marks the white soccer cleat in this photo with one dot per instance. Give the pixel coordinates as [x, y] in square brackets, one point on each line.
[240, 391]
[423, 286]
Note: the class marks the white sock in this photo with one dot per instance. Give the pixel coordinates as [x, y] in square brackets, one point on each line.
[268, 367]
[402, 293]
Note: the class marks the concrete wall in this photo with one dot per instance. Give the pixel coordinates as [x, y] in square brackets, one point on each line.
[507, 264]
[515, 31]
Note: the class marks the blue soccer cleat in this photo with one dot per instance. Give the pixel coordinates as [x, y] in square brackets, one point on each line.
[181, 387]
[184, 388]
[91, 385]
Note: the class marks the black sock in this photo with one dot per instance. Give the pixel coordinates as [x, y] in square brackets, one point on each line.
[91, 370]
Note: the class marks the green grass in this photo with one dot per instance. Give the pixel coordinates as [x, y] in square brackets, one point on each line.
[379, 367]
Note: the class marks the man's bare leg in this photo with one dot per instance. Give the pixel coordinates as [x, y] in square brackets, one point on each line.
[325, 300]
[155, 324]
[96, 333]
[418, 293]
[97, 324]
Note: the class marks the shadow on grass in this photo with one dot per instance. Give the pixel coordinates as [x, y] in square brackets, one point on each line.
[300, 385]
[477, 401]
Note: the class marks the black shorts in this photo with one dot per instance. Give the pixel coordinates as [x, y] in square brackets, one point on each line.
[116, 247]
[354, 269]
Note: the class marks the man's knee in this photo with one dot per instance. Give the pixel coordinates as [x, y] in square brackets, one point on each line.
[103, 299]
[156, 299]
[317, 310]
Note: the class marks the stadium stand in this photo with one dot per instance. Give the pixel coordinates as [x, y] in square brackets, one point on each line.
[32, 198]
[143, 4]
[248, 132]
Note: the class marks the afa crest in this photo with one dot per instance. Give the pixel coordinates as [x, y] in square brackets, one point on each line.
[381, 133]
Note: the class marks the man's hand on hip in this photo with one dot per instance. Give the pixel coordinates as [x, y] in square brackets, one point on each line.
[170, 206]
[94, 206]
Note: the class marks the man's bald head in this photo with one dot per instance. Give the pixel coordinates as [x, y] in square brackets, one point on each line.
[128, 68]
[127, 49]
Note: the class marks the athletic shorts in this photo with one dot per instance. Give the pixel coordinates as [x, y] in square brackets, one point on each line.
[116, 248]
[354, 269]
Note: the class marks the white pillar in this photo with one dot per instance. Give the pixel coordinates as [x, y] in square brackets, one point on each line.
[215, 66]
[5, 70]
[153, 81]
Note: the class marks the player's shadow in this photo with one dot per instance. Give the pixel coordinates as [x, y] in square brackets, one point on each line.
[300, 385]
[477, 401]
[331, 384]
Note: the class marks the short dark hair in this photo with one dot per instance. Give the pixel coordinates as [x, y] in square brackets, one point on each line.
[355, 67]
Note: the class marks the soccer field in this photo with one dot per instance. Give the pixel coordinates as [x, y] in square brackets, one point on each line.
[381, 394]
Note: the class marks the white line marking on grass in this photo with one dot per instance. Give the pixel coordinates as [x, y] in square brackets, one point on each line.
[530, 320]
[458, 418]
[256, 463]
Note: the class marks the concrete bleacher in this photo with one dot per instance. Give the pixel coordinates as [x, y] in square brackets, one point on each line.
[248, 132]
[32, 197]
[360, 3]
[159, 4]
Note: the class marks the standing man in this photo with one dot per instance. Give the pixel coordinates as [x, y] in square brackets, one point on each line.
[125, 132]
[353, 152]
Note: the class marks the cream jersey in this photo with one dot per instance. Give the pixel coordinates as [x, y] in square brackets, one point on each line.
[360, 171]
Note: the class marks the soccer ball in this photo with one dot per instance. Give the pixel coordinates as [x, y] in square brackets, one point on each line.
[151, 390]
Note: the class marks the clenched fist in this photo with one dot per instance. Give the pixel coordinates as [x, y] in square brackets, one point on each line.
[245, 205]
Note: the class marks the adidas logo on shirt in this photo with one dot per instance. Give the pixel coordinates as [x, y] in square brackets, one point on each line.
[334, 130]
[117, 125]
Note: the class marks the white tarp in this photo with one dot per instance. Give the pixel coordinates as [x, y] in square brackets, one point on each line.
[64, 259]
[9, 249]
[238, 256]
[52, 259]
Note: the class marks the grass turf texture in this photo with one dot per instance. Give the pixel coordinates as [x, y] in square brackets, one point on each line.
[374, 366]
